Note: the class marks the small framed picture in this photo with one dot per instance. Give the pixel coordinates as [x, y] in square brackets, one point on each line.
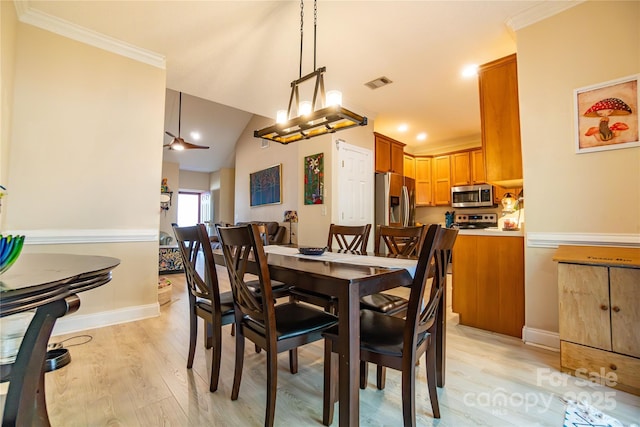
[265, 186]
[607, 115]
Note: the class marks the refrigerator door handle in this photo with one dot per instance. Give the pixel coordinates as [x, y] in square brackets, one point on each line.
[405, 206]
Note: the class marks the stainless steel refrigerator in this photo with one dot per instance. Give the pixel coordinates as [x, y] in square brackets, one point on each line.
[395, 200]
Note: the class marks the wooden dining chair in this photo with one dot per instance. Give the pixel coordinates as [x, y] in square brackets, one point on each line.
[404, 242]
[398, 343]
[205, 299]
[348, 238]
[274, 328]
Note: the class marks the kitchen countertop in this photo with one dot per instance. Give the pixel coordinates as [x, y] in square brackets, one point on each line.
[493, 232]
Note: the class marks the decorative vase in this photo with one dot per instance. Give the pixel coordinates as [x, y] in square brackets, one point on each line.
[10, 248]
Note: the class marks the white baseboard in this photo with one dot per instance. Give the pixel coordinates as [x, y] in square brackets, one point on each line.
[541, 338]
[71, 324]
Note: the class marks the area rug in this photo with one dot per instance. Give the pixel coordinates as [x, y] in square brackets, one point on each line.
[581, 414]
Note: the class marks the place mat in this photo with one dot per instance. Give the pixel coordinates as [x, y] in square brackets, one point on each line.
[367, 260]
[581, 414]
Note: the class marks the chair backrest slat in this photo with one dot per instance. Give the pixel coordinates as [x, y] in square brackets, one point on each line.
[350, 238]
[193, 243]
[399, 241]
[435, 254]
[240, 246]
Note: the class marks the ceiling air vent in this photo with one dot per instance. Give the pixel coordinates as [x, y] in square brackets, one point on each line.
[378, 83]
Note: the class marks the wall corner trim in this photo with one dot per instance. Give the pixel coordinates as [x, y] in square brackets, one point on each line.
[553, 240]
[77, 323]
[538, 13]
[28, 15]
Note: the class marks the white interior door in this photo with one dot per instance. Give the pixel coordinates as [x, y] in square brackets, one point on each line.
[355, 183]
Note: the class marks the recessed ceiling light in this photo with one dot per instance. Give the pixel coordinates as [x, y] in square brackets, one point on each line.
[195, 136]
[421, 136]
[403, 127]
[469, 71]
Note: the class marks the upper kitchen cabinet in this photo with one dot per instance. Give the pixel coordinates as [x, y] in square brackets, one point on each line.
[409, 166]
[389, 154]
[424, 184]
[467, 168]
[441, 174]
[500, 122]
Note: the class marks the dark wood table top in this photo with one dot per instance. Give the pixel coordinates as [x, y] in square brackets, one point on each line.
[36, 279]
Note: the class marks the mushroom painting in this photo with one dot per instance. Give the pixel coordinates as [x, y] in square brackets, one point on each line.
[603, 109]
[607, 115]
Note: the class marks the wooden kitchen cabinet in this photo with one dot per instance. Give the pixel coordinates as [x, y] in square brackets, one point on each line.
[441, 174]
[409, 166]
[424, 184]
[488, 282]
[467, 168]
[599, 293]
[500, 121]
[389, 154]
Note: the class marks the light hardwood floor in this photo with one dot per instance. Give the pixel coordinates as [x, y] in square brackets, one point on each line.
[135, 374]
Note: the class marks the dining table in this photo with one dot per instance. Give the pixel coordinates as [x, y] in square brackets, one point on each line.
[47, 286]
[346, 277]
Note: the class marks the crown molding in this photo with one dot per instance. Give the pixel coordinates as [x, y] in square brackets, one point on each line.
[538, 13]
[553, 240]
[28, 15]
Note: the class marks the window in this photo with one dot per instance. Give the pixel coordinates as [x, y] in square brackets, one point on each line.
[188, 209]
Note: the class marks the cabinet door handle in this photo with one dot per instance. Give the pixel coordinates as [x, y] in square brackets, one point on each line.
[615, 308]
[604, 307]
[613, 367]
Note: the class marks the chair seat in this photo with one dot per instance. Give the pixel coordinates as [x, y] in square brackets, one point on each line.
[379, 333]
[226, 303]
[384, 303]
[278, 289]
[295, 319]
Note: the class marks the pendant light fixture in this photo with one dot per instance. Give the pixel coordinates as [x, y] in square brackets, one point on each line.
[304, 119]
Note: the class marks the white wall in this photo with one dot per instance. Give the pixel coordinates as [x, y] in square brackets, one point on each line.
[85, 155]
[594, 196]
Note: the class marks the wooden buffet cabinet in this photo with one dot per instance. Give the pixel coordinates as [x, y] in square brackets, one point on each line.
[599, 296]
[488, 281]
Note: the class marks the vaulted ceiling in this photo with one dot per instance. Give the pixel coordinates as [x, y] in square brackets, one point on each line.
[238, 58]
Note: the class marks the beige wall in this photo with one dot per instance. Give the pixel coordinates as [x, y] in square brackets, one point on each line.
[592, 196]
[85, 162]
[227, 191]
[8, 24]
[194, 181]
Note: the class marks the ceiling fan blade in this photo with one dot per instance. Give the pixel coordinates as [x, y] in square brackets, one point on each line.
[169, 133]
[190, 146]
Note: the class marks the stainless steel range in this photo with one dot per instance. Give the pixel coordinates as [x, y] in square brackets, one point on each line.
[476, 220]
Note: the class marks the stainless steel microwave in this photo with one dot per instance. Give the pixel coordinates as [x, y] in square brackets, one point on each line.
[472, 196]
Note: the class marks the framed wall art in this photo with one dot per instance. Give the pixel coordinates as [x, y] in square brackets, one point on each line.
[607, 115]
[265, 186]
[314, 179]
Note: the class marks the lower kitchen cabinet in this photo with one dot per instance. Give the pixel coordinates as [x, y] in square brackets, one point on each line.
[599, 295]
[488, 282]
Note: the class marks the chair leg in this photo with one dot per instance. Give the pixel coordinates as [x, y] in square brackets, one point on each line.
[329, 393]
[237, 375]
[409, 395]
[381, 376]
[258, 349]
[272, 385]
[432, 379]
[216, 357]
[208, 335]
[364, 374]
[233, 329]
[193, 331]
[293, 360]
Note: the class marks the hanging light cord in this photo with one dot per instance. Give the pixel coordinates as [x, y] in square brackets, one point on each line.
[301, 35]
[179, 114]
[315, 25]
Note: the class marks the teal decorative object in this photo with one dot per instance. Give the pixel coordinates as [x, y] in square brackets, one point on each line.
[10, 248]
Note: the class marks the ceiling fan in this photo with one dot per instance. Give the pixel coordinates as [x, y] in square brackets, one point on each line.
[177, 143]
